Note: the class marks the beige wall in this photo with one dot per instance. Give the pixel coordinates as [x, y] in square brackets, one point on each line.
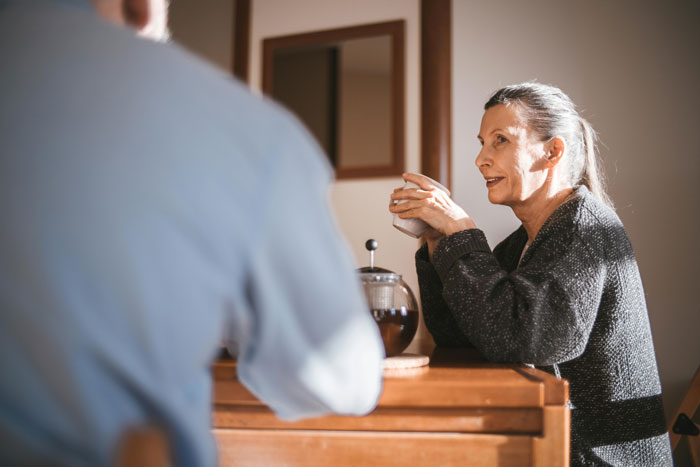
[633, 68]
[206, 31]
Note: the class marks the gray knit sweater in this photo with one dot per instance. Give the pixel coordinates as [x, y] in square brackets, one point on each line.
[574, 307]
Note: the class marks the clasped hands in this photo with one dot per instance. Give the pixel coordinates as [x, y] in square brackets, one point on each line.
[431, 205]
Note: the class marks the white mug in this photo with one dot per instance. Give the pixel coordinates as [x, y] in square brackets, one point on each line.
[415, 227]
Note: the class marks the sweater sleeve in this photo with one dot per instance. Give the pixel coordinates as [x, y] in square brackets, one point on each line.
[438, 319]
[540, 313]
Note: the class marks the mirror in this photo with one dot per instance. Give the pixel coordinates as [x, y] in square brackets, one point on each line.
[347, 86]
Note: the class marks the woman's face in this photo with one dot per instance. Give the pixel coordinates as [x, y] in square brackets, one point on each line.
[511, 158]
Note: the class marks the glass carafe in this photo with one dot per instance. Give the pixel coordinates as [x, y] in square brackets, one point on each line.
[393, 307]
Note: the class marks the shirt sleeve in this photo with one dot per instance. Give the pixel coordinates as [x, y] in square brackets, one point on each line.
[311, 346]
[541, 313]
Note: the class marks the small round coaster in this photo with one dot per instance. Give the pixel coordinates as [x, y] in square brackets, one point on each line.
[405, 360]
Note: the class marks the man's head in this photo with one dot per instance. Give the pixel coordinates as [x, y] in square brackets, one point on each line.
[148, 17]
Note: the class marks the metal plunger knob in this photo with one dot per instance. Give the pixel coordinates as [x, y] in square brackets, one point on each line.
[371, 245]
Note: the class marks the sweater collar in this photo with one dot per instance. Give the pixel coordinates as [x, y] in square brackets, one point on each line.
[562, 210]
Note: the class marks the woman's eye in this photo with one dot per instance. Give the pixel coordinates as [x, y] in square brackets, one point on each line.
[500, 139]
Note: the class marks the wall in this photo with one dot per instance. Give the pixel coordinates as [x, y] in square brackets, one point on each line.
[632, 67]
[361, 206]
[207, 32]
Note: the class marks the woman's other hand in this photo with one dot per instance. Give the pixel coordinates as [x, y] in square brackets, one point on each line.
[431, 205]
[432, 237]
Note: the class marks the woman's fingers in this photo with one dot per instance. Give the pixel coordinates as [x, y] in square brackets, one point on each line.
[406, 206]
[420, 180]
[410, 193]
[415, 212]
[430, 204]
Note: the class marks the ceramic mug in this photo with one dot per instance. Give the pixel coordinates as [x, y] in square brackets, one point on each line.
[415, 227]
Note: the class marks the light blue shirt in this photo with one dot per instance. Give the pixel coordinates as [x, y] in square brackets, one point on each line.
[148, 204]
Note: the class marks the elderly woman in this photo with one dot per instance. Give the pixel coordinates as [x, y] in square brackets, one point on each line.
[562, 292]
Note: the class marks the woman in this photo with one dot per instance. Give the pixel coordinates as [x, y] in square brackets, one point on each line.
[562, 292]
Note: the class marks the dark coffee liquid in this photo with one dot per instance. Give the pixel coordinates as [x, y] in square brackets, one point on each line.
[397, 326]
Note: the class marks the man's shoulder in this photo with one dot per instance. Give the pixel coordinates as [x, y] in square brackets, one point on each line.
[205, 95]
[186, 78]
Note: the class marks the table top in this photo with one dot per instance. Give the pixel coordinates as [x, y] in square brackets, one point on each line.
[459, 410]
[454, 378]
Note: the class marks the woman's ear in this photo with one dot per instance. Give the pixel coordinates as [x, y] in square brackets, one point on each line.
[554, 150]
[137, 13]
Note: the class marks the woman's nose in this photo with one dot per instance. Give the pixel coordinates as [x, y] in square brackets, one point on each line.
[482, 159]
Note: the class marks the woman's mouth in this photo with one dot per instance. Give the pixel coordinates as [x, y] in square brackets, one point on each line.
[492, 181]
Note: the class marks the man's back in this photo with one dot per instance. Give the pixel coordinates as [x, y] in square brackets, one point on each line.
[147, 204]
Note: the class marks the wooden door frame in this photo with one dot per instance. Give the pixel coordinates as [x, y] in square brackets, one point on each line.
[436, 90]
[241, 39]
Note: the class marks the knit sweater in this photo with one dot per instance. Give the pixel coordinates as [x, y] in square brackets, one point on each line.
[573, 306]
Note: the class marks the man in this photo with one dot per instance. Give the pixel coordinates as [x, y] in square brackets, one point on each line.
[149, 203]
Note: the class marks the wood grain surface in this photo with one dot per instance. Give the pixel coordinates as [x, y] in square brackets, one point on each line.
[460, 410]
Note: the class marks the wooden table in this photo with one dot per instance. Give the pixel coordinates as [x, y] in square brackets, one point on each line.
[458, 411]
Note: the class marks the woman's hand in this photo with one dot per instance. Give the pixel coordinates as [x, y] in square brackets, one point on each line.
[432, 237]
[431, 205]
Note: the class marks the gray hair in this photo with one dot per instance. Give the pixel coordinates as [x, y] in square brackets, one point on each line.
[551, 113]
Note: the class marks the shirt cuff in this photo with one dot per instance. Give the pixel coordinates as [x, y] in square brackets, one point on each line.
[424, 268]
[422, 253]
[453, 247]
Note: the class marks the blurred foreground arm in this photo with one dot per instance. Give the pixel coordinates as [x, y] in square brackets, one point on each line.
[311, 346]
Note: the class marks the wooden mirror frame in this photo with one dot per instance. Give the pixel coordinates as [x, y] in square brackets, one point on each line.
[393, 29]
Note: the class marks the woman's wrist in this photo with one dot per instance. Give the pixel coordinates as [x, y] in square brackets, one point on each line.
[458, 225]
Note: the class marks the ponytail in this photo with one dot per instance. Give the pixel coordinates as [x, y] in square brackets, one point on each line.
[591, 175]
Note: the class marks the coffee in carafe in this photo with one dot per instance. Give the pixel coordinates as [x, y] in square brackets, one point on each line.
[391, 303]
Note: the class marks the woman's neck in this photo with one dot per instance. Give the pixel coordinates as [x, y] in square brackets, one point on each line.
[534, 214]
